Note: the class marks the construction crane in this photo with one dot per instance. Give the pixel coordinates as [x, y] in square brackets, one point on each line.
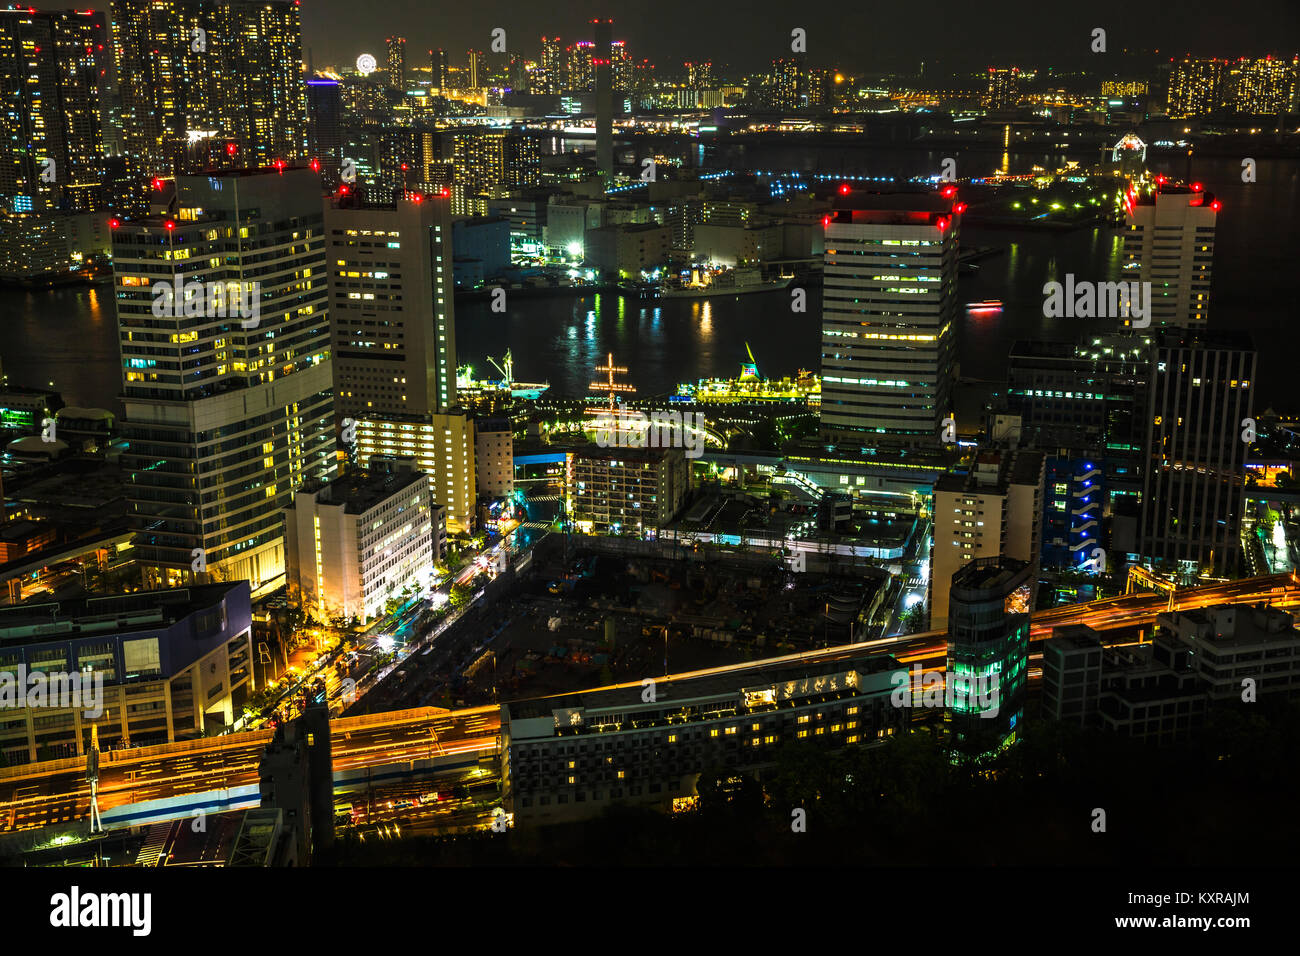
[506, 367]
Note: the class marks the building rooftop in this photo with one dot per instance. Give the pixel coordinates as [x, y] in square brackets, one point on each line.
[360, 489]
[82, 616]
[673, 692]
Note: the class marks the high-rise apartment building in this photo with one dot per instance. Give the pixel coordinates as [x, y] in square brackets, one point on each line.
[390, 271]
[988, 640]
[1264, 85]
[788, 84]
[488, 163]
[223, 69]
[228, 411]
[395, 62]
[1196, 87]
[1003, 88]
[1194, 479]
[993, 510]
[887, 317]
[477, 69]
[54, 104]
[551, 78]
[1169, 242]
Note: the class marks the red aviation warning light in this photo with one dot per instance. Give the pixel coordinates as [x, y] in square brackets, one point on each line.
[157, 183]
[942, 223]
[279, 166]
[315, 165]
[959, 208]
[232, 149]
[115, 223]
[1197, 187]
[1216, 205]
[343, 190]
[445, 193]
[948, 191]
[416, 197]
[169, 225]
[826, 221]
[844, 189]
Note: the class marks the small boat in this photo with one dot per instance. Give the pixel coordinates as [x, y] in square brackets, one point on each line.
[988, 305]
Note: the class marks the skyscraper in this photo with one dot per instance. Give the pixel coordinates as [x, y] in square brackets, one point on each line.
[1196, 87]
[552, 68]
[476, 69]
[325, 129]
[601, 61]
[1169, 238]
[396, 62]
[226, 415]
[1194, 482]
[228, 69]
[1004, 87]
[395, 367]
[489, 162]
[54, 103]
[438, 71]
[887, 317]
[1264, 84]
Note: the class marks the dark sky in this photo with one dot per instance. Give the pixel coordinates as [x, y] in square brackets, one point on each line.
[859, 35]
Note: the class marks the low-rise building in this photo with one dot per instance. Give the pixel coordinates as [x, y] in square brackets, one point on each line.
[568, 758]
[627, 489]
[494, 457]
[171, 665]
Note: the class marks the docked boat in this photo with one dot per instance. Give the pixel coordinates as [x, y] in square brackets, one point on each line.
[987, 306]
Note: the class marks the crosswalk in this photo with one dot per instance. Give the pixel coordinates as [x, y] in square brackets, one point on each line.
[154, 843]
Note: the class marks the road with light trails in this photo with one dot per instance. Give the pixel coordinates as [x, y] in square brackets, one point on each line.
[55, 791]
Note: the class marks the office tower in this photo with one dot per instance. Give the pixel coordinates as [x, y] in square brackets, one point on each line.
[54, 104]
[992, 510]
[476, 69]
[1083, 405]
[226, 414]
[787, 83]
[1169, 242]
[224, 69]
[1263, 85]
[390, 267]
[494, 457]
[1193, 490]
[553, 78]
[602, 35]
[325, 125]
[1196, 87]
[395, 62]
[1003, 88]
[887, 317]
[438, 71]
[988, 639]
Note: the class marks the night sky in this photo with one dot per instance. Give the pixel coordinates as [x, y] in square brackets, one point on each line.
[856, 35]
[859, 35]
